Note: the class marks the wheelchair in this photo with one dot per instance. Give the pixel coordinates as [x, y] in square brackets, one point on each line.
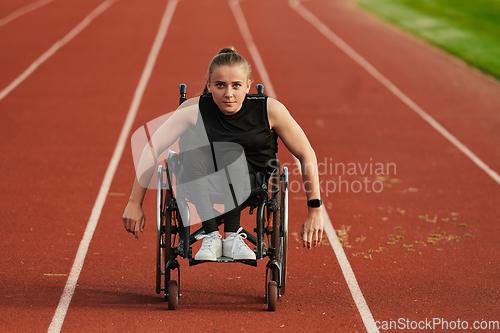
[269, 195]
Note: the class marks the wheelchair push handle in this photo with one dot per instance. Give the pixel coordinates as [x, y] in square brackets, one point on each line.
[183, 91]
[260, 89]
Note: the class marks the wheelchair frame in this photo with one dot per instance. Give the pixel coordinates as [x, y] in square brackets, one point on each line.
[174, 238]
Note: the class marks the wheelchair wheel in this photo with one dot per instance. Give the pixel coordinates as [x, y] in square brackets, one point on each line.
[160, 252]
[160, 248]
[283, 248]
[273, 273]
[280, 234]
[272, 296]
[172, 296]
[275, 235]
[169, 237]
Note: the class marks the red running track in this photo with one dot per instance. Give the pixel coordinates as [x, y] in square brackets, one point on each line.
[60, 127]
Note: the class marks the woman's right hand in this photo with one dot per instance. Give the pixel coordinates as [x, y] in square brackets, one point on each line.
[134, 218]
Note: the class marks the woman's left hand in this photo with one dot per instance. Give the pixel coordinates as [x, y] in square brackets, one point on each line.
[312, 229]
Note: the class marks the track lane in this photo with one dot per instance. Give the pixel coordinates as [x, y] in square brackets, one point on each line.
[60, 137]
[29, 36]
[459, 97]
[9, 7]
[456, 186]
[302, 94]
[325, 31]
[56, 46]
[365, 124]
[70, 287]
[330, 233]
[22, 11]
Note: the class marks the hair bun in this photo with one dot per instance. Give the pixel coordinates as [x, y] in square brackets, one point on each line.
[228, 50]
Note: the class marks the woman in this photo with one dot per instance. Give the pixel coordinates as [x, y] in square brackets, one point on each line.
[227, 113]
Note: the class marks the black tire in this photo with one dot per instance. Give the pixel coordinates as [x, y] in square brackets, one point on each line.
[283, 249]
[160, 249]
[283, 261]
[280, 237]
[159, 259]
[172, 296]
[168, 252]
[272, 296]
[275, 233]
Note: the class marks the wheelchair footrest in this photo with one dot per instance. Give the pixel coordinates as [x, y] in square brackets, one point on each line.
[193, 261]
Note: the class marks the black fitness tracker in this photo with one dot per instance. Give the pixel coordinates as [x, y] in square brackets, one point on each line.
[314, 203]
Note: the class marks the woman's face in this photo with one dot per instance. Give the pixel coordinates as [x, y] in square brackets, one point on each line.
[229, 85]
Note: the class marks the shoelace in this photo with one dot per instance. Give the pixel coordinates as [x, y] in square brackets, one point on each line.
[208, 240]
[238, 240]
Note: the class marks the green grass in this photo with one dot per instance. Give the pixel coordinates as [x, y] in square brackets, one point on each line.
[468, 29]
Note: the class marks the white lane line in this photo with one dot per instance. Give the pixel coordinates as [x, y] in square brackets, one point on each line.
[330, 35]
[69, 289]
[254, 52]
[23, 10]
[352, 283]
[348, 273]
[54, 48]
[332, 236]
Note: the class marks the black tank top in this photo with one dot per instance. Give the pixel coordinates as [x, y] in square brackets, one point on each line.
[248, 127]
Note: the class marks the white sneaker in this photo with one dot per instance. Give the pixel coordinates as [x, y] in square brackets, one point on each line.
[234, 247]
[211, 248]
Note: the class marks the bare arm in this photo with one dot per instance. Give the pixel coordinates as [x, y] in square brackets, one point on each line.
[185, 116]
[297, 143]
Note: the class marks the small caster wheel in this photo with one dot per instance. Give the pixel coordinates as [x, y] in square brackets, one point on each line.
[172, 296]
[272, 296]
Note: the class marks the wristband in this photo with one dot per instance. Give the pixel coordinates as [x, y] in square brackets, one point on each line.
[315, 203]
